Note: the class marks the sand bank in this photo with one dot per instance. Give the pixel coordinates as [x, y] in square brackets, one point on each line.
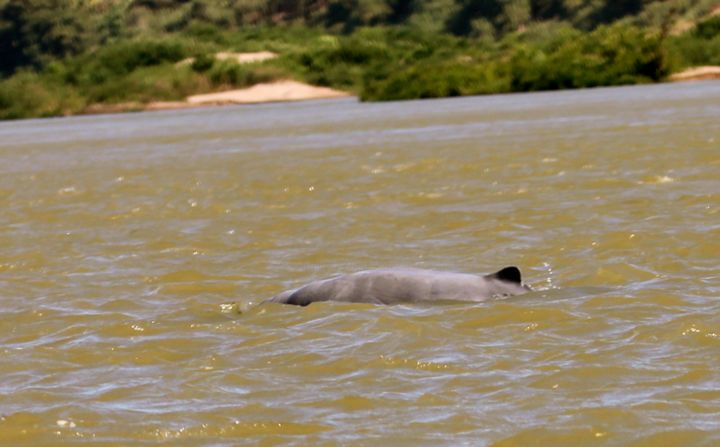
[697, 73]
[268, 92]
[260, 93]
[240, 58]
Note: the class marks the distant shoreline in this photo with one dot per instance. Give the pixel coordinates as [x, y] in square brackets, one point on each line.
[113, 56]
[703, 73]
[275, 91]
[293, 91]
[279, 91]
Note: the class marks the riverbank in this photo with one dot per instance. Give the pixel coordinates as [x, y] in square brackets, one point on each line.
[275, 91]
[705, 73]
[210, 66]
[279, 91]
[289, 91]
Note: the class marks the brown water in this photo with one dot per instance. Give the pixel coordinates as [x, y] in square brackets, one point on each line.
[133, 249]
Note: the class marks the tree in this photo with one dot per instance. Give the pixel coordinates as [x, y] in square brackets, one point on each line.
[613, 10]
[548, 9]
[31, 32]
[461, 22]
[401, 10]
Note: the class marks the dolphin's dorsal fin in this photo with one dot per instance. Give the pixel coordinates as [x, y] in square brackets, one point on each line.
[509, 274]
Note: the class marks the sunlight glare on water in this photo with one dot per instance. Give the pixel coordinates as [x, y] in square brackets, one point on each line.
[136, 248]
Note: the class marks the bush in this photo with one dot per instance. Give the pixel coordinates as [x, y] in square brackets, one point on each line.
[203, 62]
[688, 50]
[351, 62]
[33, 32]
[207, 33]
[116, 60]
[342, 64]
[27, 95]
[434, 79]
[232, 74]
[160, 82]
[699, 46]
[611, 55]
[708, 29]
[124, 57]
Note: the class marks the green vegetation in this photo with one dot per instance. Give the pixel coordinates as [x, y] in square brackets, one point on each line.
[61, 57]
[699, 46]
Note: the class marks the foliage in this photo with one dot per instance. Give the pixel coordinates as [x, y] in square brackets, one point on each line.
[32, 32]
[429, 80]
[232, 74]
[610, 55]
[700, 46]
[28, 95]
[60, 56]
[708, 29]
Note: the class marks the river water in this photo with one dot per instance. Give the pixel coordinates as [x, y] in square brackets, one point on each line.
[135, 249]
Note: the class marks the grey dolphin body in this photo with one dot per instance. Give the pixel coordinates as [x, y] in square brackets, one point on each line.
[406, 285]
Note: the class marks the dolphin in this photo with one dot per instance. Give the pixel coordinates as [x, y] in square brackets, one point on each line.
[406, 285]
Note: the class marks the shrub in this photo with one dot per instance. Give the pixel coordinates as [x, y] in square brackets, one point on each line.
[27, 95]
[124, 57]
[232, 74]
[435, 79]
[203, 62]
[699, 46]
[708, 29]
[160, 82]
[33, 32]
[688, 50]
[102, 72]
[611, 55]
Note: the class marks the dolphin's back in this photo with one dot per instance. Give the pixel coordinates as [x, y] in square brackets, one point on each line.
[405, 285]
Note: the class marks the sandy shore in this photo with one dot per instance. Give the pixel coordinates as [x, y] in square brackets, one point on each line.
[260, 93]
[697, 74]
[288, 90]
[275, 91]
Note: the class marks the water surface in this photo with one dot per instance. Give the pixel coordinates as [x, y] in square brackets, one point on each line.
[130, 244]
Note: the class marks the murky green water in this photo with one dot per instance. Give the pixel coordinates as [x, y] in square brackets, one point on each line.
[129, 242]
